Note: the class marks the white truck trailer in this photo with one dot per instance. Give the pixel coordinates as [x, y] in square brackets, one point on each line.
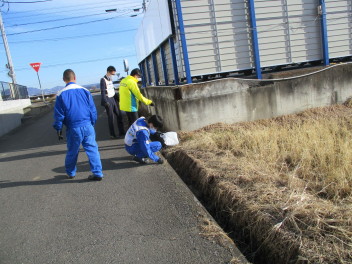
[182, 40]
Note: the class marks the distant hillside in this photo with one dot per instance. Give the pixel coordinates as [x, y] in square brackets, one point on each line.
[92, 86]
[35, 91]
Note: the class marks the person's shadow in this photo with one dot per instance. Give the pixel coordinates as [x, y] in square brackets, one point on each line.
[59, 179]
[108, 165]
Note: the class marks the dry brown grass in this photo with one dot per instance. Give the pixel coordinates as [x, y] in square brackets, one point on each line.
[213, 232]
[288, 178]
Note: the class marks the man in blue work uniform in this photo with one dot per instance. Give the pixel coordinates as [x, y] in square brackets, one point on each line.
[137, 139]
[109, 99]
[74, 108]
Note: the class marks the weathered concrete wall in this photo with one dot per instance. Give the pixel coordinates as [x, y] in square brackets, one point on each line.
[230, 100]
[11, 113]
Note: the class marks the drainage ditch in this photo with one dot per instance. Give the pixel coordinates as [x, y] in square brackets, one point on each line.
[250, 230]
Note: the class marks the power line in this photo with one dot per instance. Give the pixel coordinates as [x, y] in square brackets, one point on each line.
[8, 2]
[77, 62]
[32, 2]
[63, 7]
[66, 11]
[61, 19]
[70, 25]
[73, 37]
[53, 20]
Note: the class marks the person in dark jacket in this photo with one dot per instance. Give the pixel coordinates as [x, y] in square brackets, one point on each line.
[137, 139]
[109, 99]
[75, 108]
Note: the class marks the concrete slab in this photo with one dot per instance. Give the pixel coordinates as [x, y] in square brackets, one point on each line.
[11, 113]
[230, 100]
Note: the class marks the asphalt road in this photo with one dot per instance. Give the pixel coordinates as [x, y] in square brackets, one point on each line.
[137, 214]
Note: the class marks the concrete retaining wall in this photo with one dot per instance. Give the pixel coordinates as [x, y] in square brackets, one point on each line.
[11, 113]
[230, 100]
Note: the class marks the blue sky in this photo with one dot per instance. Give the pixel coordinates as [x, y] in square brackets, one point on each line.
[87, 47]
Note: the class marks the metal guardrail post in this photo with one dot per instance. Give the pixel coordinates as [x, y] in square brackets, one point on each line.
[255, 44]
[2, 91]
[324, 32]
[183, 41]
[155, 67]
[144, 77]
[148, 71]
[163, 60]
[12, 92]
[174, 60]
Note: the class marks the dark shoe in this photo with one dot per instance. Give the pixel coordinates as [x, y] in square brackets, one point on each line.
[94, 178]
[70, 177]
[113, 137]
[140, 160]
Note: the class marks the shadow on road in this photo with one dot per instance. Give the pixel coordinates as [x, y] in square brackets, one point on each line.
[108, 165]
[38, 133]
[59, 179]
[33, 155]
[40, 153]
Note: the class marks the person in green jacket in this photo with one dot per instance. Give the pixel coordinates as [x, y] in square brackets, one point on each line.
[130, 95]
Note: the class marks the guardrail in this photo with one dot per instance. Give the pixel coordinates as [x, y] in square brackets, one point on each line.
[9, 91]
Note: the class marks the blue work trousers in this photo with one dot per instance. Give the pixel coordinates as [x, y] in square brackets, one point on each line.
[86, 136]
[136, 150]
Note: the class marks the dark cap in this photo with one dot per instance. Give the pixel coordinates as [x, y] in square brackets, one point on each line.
[136, 71]
[156, 120]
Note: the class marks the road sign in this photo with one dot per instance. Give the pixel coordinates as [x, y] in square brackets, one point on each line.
[35, 66]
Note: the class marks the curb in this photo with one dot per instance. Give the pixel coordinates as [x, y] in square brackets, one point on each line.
[34, 112]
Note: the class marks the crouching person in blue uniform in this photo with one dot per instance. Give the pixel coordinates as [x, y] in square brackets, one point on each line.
[137, 139]
[75, 108]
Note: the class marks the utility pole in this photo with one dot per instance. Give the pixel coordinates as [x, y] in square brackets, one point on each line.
[8, 55]
[144, 6]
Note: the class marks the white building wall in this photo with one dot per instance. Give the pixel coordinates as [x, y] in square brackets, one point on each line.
[339, 27]
[218, 35]
[289, 31]
[219, 39]
[154, 29]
